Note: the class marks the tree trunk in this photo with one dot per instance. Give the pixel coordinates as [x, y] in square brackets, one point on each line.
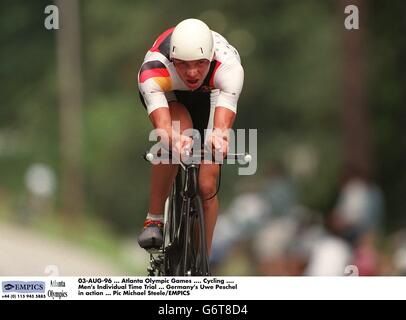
[70, 103]
[354, 115]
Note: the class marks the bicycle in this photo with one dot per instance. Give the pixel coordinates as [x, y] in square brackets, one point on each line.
[184, 251]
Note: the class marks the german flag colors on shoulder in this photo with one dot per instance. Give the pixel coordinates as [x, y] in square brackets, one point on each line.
[158, 72]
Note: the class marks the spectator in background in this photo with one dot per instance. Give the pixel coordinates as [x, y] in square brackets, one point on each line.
[256, 206]
[398, 241]
[358, 216]
[360, 207]
[330, 254]
[278, 190]
[246, 212]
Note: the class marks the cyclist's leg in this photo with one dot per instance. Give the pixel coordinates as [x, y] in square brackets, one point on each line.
[208, 186]
[163, 174]
[161, 180]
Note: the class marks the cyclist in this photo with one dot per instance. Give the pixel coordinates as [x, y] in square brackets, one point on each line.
[194, 76]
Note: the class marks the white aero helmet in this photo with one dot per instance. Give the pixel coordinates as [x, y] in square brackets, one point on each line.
[191, 40]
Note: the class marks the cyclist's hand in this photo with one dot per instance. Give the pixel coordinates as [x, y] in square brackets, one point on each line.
[219, 143]
[183, 144]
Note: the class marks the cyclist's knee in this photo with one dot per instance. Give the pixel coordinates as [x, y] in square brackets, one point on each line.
[179, 113]
[207, 187]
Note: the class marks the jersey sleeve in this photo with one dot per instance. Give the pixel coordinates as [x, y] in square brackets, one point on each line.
[229, 79]
[154, 81]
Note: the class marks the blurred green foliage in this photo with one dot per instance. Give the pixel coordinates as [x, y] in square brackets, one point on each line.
[290, 51]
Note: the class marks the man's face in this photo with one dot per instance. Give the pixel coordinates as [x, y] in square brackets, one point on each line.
[193, 72]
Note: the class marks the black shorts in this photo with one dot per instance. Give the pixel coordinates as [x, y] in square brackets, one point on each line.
[198, 105]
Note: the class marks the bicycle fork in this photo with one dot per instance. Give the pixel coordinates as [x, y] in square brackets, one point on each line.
[189, 192]
[192, 207]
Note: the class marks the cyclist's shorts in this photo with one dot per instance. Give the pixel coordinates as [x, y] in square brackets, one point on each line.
[198, 104]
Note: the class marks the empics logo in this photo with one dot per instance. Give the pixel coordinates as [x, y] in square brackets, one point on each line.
[23, 286]
[8, 287]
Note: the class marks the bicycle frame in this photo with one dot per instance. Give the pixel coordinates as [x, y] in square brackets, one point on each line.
[184, 252]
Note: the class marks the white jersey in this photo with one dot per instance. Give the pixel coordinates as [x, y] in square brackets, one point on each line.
[157, 78]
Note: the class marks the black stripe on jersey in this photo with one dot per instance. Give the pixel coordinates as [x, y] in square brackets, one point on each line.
[164, 46]
[152, 65]
[206, 81]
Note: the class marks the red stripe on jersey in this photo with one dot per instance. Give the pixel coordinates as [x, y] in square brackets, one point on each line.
[157, 72]
[160, 39]
[211, 83]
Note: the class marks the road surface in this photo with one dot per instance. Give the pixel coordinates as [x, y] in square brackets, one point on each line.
[25, 252]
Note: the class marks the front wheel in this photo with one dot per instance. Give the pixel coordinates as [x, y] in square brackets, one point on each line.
[199, 257]
[173, 229]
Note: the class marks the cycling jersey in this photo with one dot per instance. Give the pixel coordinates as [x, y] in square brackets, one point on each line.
[158, 80]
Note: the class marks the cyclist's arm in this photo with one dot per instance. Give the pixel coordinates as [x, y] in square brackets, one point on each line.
[153, 82]
[223, 118]
[161, 119]
[229, 79]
